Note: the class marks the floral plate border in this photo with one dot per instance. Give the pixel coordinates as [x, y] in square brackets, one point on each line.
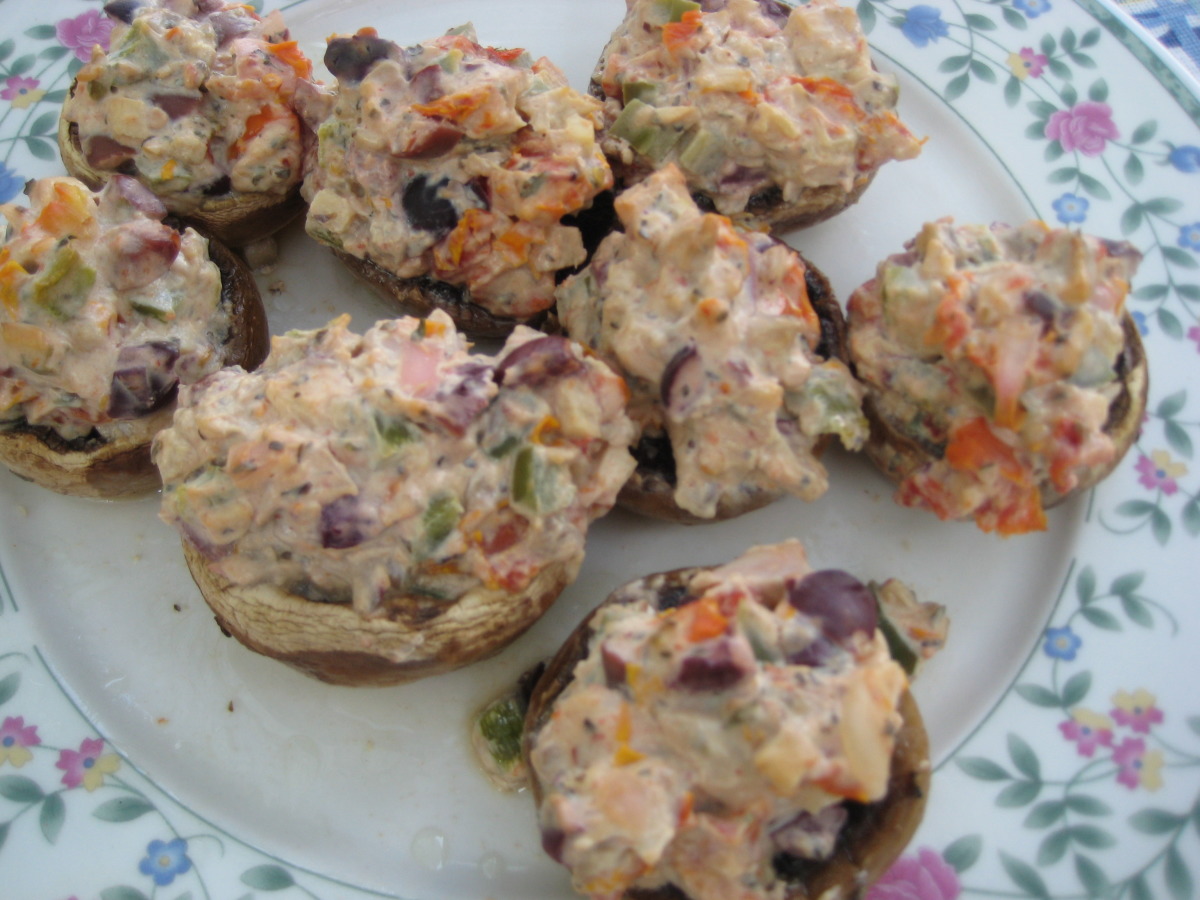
[1090, 783]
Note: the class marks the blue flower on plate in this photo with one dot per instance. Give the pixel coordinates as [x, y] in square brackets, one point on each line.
[1032, 8]
[1062, 643]
[1071, 208]
[164, 860]
[10, 183]
[923, 24]
[1185, 158]
[1189, 236]
[1139, 319]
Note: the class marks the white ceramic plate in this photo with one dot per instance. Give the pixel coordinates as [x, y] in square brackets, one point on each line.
[143, 754]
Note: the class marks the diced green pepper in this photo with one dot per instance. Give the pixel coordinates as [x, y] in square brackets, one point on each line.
[532, 186]
[1095, 368]
[394, 433]
[441, 517]
[827, 404]
[638, 90]
[639, 124]
[139, 47]
[159, 306]
[524, 484]
[502, 724]
[898, 647]
[505, 447]
[450, 62]
[703, 153]
[63, 287]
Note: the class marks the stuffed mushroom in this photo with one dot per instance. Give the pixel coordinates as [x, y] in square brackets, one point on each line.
[198, 100]
[737, 732]
[1003, 372]
[732, 345]
[445, 171]
[106, 310]
[773, 111]
[375, 508]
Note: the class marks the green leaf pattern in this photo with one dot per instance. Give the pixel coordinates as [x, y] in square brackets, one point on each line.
[37, 802]
[1074, 812]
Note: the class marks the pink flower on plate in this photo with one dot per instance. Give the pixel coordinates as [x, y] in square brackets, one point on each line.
[1137, 766]
[82, 32]
[1193, 334]
[1088, 730]
[1027, 63]
[1086, 127]
[1136, 710]
[925, 876]
[15, 740]
[1159, 471]
[21, 92]
[88, 765]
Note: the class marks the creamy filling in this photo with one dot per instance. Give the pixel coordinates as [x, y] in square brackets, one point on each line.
[394, 466]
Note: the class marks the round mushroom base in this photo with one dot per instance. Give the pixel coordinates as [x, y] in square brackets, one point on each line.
[335, 643]
[117, 467]
[421, 295]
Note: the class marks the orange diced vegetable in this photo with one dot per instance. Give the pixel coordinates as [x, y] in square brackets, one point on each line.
[547, 431]
[12, 273]
[975, 445]
[796, 301]
[471, 225]
[69, 211]
[518, 242]
[1024, 516]
[834, 95]
[951, 323]
[454, 107]
[29, 343]
[255, 124]
[677, 34]
[504, 55]
[626, 755]
[707, 622]
[624, 724]
[290, 53]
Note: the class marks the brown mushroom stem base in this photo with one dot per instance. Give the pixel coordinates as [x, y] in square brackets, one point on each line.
[334, 643]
